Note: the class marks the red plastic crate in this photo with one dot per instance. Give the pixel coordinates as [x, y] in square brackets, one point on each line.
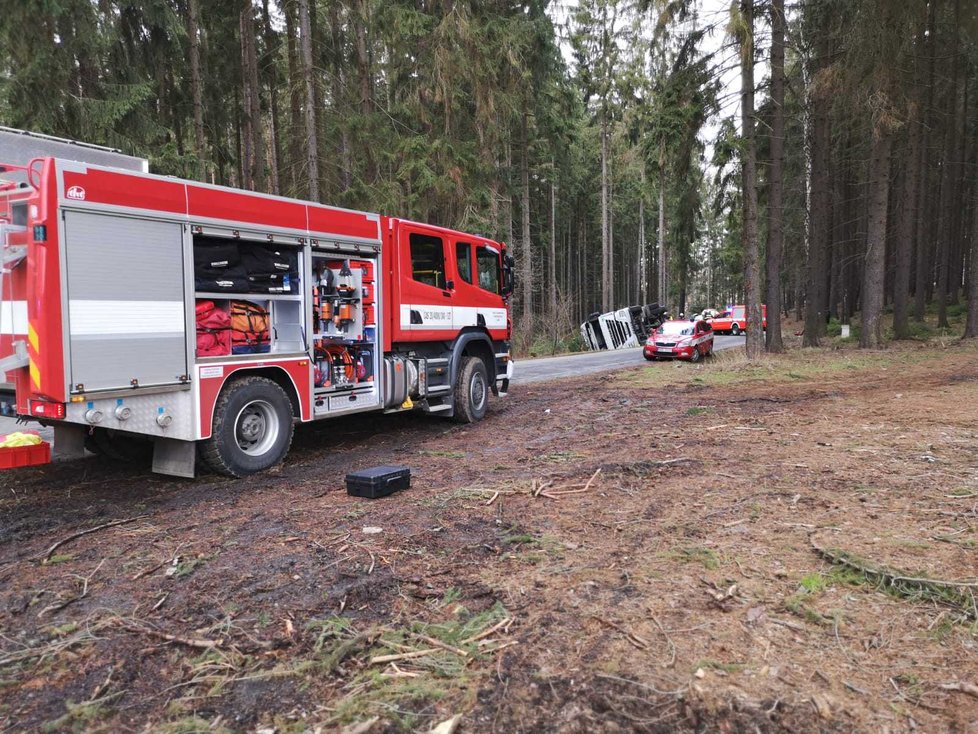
[14, 456]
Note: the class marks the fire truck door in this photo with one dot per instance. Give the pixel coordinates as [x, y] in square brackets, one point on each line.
[426, 288]
[125, 302]
[478, 285]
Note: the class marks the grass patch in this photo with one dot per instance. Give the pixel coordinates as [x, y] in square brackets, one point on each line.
[696, 554]
[63, 629]
[813, 583]
[378, 690]
[698, 410]
[59, 558]
[445, 454]
[730, 367]
[190, 725]
[797, 605]
[961, 492]
[80, 717]
[717, 665]
[186, 567]
[558, 457]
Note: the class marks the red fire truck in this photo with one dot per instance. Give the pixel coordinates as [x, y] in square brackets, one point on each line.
[210, 320]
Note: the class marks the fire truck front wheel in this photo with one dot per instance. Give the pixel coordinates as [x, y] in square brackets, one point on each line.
[252, 428]
[471, 390]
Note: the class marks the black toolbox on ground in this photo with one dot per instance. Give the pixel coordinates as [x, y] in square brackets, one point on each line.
[378, 481]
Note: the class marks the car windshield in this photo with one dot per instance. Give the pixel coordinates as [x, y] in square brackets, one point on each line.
[677, 329]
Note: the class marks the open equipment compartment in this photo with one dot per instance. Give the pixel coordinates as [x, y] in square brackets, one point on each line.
[344, 332]
[258, 284]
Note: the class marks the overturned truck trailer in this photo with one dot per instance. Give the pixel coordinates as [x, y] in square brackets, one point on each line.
[626, 327]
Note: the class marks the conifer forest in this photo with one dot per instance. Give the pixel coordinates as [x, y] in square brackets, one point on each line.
[818, 156]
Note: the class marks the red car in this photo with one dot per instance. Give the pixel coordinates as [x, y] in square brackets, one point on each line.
[735, 320]
[680, 340]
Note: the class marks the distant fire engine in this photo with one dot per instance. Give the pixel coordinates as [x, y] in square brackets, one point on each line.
[210, 320]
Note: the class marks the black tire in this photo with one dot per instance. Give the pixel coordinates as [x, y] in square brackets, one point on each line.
[695, 356]
[471, 391]
[709, 352]
[648, 358]
[735, 329]
[252, 428]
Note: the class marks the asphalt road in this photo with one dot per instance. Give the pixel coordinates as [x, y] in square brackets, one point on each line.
[586, 363]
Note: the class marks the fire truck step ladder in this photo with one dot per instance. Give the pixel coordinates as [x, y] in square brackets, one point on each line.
[10, 257]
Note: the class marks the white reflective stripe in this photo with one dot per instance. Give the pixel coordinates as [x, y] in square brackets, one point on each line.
[495, 318]
[444, 317]
[433, 317]
[13, 317]
[101, 318]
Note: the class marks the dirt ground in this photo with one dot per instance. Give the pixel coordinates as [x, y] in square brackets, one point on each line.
[718, 547]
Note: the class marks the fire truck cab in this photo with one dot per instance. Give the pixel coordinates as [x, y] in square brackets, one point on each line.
[204, 321]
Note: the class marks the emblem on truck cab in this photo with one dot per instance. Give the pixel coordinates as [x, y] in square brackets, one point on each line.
[76, 192]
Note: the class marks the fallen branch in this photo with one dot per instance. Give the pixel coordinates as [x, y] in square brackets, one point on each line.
[639, 642]
[958, 594]
[58, 606]
[646, 686]
[401, 656]
[593, 477]
[672, 645]
[502, 625]
[204, 644]
[89, 531]
[845, 559]
[961, 686]
[442, 645]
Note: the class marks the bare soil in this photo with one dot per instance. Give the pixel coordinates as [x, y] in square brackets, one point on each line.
[631, 552]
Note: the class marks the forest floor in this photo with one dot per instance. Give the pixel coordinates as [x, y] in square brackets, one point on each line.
[722, 546]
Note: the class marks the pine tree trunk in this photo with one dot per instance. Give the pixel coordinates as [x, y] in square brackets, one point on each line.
[605, 244]
[905, 231]
[818, 214]
[752, 265]
[611, 224]
[775, 240]
[947, 181]
[874, 270]
[553, 250]
[271, 62]
[643, 260]
[196, 89]
[365, 78]
[312, 143]
[296, 153]
[339, 78]
[253, 163]
[663, 274]
[971, 327]
[526, 274]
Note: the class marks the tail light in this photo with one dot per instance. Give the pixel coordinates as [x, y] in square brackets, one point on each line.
[47, 410]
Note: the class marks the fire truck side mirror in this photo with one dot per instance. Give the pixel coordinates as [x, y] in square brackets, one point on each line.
[509, 275]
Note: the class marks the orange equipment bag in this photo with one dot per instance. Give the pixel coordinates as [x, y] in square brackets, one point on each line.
[250, 333]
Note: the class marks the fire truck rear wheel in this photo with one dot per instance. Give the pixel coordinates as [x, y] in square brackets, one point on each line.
[735, 329]
[252, 428]
[471, 390]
